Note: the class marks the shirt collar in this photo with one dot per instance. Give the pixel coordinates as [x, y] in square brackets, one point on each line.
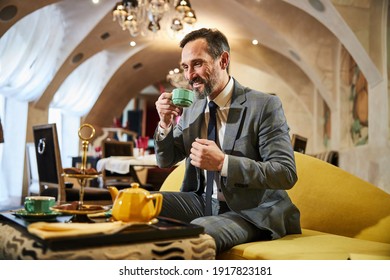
[224, 97]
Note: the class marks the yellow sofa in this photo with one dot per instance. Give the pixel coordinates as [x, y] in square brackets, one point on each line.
[342, 217]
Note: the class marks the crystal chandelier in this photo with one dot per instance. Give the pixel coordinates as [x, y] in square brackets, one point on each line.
[176, 78]
[142, 16]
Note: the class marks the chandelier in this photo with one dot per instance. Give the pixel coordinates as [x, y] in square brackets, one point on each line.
[142, 16]
[176, 78]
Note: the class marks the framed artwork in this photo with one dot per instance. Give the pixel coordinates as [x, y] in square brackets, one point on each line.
[358, 105]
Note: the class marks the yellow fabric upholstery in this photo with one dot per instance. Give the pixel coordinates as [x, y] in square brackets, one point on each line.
[335, 201]
[342, 217]
[174, 180]
[310, 245]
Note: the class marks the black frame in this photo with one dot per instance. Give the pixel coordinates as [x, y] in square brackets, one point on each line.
[299, 143]
[48, 158]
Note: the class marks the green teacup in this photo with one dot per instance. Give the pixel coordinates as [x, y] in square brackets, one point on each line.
[182, 97]
[39, 204]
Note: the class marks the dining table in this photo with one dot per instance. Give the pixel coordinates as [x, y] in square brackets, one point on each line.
[137, 166]
[122, 164]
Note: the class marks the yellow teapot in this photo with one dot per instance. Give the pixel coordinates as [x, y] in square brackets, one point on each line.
[135, 204]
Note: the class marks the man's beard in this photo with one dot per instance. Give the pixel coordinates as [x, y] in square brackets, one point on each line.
[208, 86]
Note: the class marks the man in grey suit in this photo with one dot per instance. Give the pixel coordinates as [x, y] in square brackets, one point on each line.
[251, 160]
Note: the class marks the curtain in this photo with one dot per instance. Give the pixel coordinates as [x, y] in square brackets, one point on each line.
[28, 61]
[12, 166]
[28, 54]
[3, 191]
[75, 98]
[81, 89]
[1, 133]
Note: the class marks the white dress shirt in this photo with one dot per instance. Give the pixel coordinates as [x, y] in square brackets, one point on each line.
[223, 101]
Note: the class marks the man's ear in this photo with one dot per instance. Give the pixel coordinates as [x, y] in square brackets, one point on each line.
[224, 62]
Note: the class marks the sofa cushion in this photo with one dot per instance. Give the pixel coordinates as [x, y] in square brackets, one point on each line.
[334, 201]
[310, 245]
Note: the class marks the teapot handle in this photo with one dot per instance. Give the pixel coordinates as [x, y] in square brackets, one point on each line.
[157, 207]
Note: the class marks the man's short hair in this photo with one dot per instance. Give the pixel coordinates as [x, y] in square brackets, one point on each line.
[216, 41]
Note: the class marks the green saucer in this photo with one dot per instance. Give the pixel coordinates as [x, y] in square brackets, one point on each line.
[36, 216]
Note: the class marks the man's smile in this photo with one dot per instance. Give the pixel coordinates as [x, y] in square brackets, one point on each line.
[196, 83]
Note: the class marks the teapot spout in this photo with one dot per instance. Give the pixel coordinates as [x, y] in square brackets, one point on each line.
[113, 192]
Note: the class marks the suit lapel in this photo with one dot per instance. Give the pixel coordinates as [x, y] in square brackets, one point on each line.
[196, 119]
[196, 122]
[235, 118]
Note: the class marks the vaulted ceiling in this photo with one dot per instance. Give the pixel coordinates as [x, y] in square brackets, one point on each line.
[297, 42]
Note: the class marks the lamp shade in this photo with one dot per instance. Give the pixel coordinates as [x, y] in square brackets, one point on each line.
[183, 6]
[189, 16]
[141, 16]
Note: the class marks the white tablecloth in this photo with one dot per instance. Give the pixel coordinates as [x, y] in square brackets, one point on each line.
[122, 165]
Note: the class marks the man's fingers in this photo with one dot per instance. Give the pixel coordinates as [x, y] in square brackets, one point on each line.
[204, 141]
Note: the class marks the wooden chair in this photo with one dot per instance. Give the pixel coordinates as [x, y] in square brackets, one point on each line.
[120, 148]
[299, 143]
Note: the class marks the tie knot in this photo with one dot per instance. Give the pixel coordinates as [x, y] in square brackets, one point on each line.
[212, 106]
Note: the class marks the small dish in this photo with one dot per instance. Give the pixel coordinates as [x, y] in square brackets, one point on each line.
[36, 216]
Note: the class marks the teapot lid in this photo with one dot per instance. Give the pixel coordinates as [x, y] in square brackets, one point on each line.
[135, 188]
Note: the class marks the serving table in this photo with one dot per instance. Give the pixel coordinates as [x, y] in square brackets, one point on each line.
[167, 239]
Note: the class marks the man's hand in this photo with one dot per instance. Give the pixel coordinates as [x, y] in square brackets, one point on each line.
[166, 110]
[205, 154]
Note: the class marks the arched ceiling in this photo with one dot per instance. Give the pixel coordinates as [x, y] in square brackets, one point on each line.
[298, 40]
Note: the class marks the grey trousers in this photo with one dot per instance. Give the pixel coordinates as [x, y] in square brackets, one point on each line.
[226, 227]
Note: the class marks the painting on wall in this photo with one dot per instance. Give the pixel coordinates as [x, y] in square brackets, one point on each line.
[358, 105]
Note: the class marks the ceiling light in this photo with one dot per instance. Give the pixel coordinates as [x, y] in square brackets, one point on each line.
[141, 17]
[176, 78]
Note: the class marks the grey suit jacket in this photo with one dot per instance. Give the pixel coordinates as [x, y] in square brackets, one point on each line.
[261, 162]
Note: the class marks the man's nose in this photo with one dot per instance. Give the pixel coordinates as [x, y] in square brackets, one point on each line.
[191, 74]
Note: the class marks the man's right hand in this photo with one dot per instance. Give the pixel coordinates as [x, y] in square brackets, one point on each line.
[166, 110]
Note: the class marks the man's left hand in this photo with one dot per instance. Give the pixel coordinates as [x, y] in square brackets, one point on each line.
[206, 154]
